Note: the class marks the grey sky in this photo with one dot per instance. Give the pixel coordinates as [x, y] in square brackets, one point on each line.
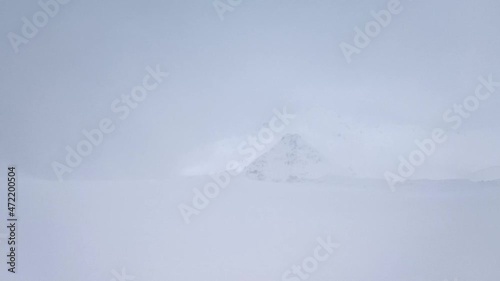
[227, 76]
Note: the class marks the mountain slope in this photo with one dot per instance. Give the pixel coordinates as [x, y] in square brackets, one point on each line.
[290, 160]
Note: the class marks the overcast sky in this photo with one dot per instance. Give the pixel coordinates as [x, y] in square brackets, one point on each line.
[226, 77]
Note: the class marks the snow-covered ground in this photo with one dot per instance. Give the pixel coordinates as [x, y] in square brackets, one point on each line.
[255, 231]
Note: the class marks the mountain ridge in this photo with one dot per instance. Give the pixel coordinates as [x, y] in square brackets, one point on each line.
[290, 160]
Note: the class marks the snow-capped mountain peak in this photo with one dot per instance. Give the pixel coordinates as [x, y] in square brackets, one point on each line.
[291, 159]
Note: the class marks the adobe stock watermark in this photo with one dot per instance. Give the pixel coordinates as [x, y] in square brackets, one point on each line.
[223, 6]
[30, 28]
[453, 118]
[310, 264]
[249, 150]
[363, 37]
[121, 107]
[121, 276]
